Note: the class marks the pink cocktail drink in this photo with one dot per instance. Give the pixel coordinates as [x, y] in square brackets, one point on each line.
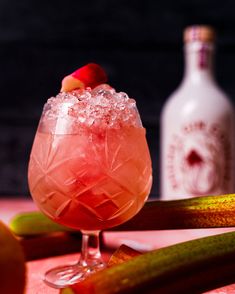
[90, 180]
[90, 168]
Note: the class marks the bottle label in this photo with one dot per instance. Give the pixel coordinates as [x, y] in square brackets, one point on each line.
[199, 159]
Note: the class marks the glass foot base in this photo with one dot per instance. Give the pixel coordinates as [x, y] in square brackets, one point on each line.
[63, 276]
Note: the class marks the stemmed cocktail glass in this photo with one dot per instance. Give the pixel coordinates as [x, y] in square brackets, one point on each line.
[89, 169]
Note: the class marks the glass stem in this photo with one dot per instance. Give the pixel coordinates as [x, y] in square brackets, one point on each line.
[90, 255]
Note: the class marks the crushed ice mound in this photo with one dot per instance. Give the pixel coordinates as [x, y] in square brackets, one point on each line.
[101, 106]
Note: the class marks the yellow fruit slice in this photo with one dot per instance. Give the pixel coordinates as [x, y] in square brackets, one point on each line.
[70, 83]
[12, 264]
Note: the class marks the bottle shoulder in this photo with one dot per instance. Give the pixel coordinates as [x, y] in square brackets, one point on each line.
[209, 96]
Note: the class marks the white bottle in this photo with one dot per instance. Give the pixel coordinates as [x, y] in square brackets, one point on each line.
[197, 127]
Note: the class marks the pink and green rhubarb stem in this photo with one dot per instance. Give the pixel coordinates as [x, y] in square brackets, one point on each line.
[192, 213]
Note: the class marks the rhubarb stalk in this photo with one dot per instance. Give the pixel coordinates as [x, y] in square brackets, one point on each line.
[198, 212]
[192, 213]
[191, 267]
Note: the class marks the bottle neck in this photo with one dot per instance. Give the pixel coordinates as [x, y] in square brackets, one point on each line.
[199, 63]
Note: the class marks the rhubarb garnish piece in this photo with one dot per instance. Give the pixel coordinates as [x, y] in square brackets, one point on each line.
[191, 267]
[122, 254]
[90, 75]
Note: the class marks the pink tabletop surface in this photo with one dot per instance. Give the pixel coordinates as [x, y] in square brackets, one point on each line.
[145, 241]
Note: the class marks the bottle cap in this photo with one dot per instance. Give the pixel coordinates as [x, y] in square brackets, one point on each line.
[203, 33]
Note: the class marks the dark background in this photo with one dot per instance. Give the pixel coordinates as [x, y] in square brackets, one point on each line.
[139, 44]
